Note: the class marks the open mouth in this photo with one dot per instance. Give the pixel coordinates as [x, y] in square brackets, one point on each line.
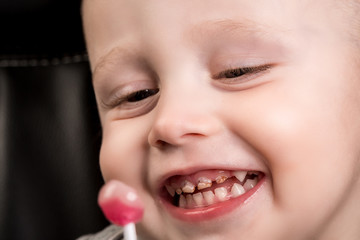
[209, 188]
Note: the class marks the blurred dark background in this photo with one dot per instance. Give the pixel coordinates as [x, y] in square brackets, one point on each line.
[49, 128]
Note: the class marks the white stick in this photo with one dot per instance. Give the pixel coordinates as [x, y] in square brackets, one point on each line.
[129, 231]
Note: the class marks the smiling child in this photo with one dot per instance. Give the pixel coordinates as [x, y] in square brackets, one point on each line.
[232, 119]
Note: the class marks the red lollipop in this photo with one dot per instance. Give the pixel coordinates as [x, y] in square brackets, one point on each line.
[121, 206]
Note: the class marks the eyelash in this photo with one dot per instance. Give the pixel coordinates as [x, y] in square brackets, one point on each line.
[132, 98]
[241, 72]
[142, 94]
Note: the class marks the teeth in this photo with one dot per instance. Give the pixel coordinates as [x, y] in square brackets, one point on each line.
[237, 190]
[190, 201]
[250, 183]
[204, 182]
[240, 175]
[187, 198]
[221, 179]
[209, 197]
[182, 201]
[221, 193]
[170, 190]
[198, 198]
[188, 187]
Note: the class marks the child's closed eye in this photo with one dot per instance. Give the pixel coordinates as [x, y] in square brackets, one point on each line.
[132, 98]
[133, 104]
[245, 73]
[141, 95]
[242, 78]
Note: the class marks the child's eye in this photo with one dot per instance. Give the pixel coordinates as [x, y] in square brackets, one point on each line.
[241, 78]
[241, 72]
[135, 101]
[141, 95]
[133, 104]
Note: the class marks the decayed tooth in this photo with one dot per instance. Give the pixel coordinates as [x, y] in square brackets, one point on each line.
[178, 191]
[190, 201]
[250, 183]
[240, 175]
[221, 179]
[182, 201]
[221, 193]
[188, 187]
[209, 197]
[204, 182]
[170, 190]
[199, 199]
[237, 190]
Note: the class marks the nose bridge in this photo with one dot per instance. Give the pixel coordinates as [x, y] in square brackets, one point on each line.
[183, 110]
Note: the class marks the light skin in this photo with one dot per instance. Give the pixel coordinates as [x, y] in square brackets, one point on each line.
[294, 117]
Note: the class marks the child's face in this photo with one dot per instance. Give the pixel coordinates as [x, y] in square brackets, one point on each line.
[288, 111]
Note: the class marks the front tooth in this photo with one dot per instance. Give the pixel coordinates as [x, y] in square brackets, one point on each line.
[199, 199]
[170, 190]
[221, 179]
[209, 197]
[240, 175]
[204, 182]
[221, 193]
[250, 183]
[182, 201]
[237, 190]
[188, 187]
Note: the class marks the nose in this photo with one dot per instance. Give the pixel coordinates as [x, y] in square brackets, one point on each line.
[182, 117]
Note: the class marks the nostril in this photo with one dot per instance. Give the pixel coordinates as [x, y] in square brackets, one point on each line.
[160, 143]
[175, 142]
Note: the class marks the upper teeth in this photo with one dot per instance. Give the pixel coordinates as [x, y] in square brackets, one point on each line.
[178, 191]
[240, 175]
[188, 187]
[204, 182]
[221, 179]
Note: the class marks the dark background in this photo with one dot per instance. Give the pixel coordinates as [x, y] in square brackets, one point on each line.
[49, 127]
[40, 27]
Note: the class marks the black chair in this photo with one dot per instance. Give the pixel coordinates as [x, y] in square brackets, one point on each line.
[49, 128]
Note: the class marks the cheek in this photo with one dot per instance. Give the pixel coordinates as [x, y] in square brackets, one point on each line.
[303, 138]
[122, 151]
[124, 156]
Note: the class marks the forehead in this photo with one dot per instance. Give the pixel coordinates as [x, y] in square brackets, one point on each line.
[153, 23]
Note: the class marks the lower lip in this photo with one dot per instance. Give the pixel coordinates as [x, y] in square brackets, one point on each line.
[212, 211]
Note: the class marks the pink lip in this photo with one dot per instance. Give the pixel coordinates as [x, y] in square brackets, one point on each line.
[213, 211]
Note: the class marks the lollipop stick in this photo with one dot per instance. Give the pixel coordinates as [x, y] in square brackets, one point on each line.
[129, 231]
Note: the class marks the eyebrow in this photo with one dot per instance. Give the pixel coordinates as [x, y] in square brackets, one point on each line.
[245, 27]
[120, 53]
